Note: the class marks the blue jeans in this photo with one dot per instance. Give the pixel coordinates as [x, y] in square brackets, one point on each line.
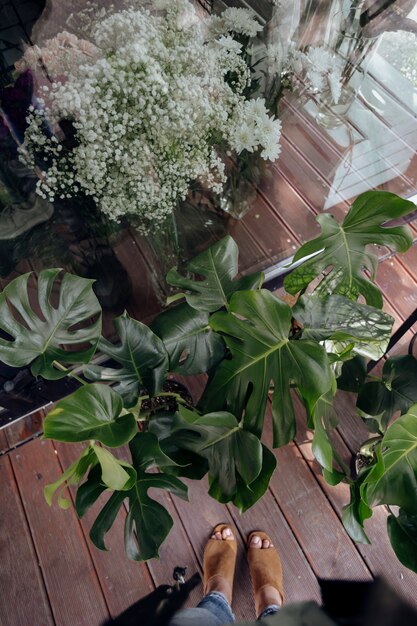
[213, 610]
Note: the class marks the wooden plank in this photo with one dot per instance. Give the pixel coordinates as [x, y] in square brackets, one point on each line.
[23, 597]
[300, 582]
[123, 581]
[176, 549]
[71, 581]
[397, 286]
[25, 428]
[270, 230]
[379, 556]
[330, 551]
[143, 302]
[289, 206]
[4, 445]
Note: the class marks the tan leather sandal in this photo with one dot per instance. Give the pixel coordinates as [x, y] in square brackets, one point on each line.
[266, 573]
[219, 562]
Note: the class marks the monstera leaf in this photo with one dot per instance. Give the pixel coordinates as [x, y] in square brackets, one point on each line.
[192, 346]
[92, 412]
[343, 248]
[217, 266]
[397, 391]
[142, 357]
[256, 330]
[341, 320]
[109, 473]
[357, 511]
[393, 479]
[39, 336]
[232, 452]
[147, 523]
[402, 532]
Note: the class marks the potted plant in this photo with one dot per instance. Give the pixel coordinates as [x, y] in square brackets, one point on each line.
[251, 344]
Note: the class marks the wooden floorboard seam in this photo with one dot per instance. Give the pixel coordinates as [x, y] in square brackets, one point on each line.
[33, 543]
[332, 505]
[86, 537]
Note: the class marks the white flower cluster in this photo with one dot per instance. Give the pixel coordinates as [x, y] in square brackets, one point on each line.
[149, 110]
[323, 70]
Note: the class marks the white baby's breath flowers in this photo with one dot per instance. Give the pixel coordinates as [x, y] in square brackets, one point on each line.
[148, 108]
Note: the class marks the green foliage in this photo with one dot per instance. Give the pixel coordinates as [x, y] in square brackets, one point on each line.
[393, 478]
[192, 346]
[234, 455]
[39, 336]
[147, 522]
[342, 248]
[110, 473]
[256, 330]
[396, 391]
[252, 345]
[345, 322]
[218, 267]
[142, 357]
[92, 412]
[402, 531]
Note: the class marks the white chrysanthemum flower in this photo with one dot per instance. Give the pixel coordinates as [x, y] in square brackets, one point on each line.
[228, 43]
[323, 71]
[241, 21]
[271, 151]
[335, 84]
[243, 138]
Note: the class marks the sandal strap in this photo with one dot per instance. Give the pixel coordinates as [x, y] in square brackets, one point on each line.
[220, 559]
[265, 566]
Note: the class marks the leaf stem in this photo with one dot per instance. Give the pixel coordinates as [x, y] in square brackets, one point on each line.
[68, 372]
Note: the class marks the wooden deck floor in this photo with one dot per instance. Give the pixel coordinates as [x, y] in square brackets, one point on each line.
[49, 571]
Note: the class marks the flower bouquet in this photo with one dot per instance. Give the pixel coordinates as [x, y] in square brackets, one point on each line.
[153, 100]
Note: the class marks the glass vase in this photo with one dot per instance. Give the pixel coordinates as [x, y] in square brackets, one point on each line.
[194, 225]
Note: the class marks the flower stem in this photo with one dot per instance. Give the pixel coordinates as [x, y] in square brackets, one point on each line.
[68, 372]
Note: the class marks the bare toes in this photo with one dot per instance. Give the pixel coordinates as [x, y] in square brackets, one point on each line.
[256, 542]
[227, 534]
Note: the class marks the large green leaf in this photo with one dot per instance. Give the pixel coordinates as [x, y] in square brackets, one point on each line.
[247, 495]
[342, 248]
[397, 390]
[256, 330]
[402, 531]
[215, 268]
[341, 320]
[188, 464]
[94, 411]
[393, 480]
[108, 473]
[148, 522]
[192, 346]
[353, 375]
[40, 331]
[142, 357]
[231, 451]
[355, 513]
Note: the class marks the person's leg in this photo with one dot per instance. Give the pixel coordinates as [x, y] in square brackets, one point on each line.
[219, 565]
[266, 573]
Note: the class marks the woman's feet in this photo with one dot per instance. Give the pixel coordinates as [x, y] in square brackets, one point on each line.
[219, 561]
[266, 571]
